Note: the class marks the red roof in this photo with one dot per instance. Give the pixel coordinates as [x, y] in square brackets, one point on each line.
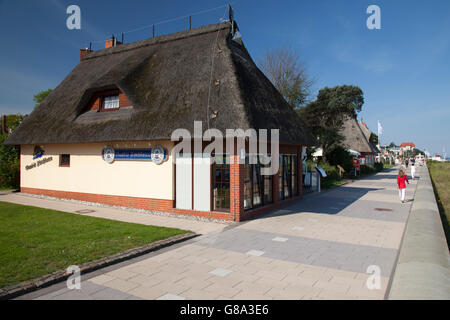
[404, 144]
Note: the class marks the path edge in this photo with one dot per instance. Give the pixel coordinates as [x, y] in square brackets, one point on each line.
[422, 271]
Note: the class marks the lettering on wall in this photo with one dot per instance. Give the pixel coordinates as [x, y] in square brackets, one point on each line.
[38, 163]
[156, 154]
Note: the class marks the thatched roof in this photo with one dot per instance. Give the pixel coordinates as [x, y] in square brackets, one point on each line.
[166, 79]
[368, 134]
[354, 137]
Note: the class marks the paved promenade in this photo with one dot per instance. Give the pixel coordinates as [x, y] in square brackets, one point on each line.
[317, 248]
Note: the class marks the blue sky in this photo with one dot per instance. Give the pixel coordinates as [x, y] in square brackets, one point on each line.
[403, 69]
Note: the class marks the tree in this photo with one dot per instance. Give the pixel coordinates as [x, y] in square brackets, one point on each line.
[326, 115]
[392, 145]
[338, 155]
[287, 73]
[38, 98]
[417, 151]
[9, 156]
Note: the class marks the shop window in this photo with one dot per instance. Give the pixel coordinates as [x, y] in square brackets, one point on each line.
[64, 160]
[287, 179]
[248, 187]
[268, 197]
[257, 187]
[221, 183]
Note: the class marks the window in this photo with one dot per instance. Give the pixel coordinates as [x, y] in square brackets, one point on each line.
[64, 160]
[248, 187]
[221, 183]
[287, 176]
[257, 187]
[110, 102]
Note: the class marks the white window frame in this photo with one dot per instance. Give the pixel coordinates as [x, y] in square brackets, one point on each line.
[110, 102]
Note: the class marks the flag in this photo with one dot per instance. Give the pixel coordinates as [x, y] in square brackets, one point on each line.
[380, 129]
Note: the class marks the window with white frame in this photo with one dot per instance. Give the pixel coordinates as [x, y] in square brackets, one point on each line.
[111, 102]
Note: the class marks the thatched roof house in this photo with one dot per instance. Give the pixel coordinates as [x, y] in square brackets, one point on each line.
[103, 135]
[166, 79]
[355, 138]
[370, 136]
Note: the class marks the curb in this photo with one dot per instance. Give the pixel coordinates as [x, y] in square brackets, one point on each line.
[423, 266]
[28, 286]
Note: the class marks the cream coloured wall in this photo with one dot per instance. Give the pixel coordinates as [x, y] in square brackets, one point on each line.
[89, 173]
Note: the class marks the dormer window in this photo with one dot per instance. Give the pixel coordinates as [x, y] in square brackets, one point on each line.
[107, 100]
[110, 102]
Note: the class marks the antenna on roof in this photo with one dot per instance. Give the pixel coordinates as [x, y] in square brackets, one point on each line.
[190, 23]
[231, 17]
[230, 13]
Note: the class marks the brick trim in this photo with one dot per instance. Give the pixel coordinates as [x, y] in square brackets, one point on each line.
[130, 202]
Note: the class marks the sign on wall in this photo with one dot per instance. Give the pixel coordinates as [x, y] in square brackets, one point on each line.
[157, 154]
[38, 163]
[133, 154]
[38, 152]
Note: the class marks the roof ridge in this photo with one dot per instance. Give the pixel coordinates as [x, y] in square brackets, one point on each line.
[158, 40]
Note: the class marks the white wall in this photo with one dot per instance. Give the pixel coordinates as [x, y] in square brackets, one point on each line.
[89, 173]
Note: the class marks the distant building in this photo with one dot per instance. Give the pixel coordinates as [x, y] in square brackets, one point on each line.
[407, 146]
[355, 138]
[396, 150]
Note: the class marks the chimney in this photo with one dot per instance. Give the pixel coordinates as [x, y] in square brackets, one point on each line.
[4, 129]
[85, 52]
[112, 42]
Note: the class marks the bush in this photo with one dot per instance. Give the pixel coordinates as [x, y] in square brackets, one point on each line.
[340, 156]
[9, 165]
[379, 166]
[9, 175]
[331, 171]
[367, 169]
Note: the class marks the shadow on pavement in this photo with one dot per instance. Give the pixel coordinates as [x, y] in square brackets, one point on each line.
[331, 202]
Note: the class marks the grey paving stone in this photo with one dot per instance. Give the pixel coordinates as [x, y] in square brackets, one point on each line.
[350, 257]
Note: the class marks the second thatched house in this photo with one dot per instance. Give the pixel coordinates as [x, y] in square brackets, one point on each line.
[104, 134]
[357, 137]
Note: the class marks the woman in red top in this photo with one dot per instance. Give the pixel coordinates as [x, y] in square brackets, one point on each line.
[401, 179]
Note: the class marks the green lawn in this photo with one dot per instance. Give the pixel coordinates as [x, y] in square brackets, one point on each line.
[36, 241]
[440, 175]
[330, 183]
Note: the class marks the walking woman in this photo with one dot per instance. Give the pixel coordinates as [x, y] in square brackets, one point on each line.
[413, 170]
[401, 182]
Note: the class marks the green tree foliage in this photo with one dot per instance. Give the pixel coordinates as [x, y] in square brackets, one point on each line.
[39, 97]
[9, 165]
[392, 145]
[338, 155]
[374, 138]
[9, 156]
[325, 116]
[417, 151]
[288, 74]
